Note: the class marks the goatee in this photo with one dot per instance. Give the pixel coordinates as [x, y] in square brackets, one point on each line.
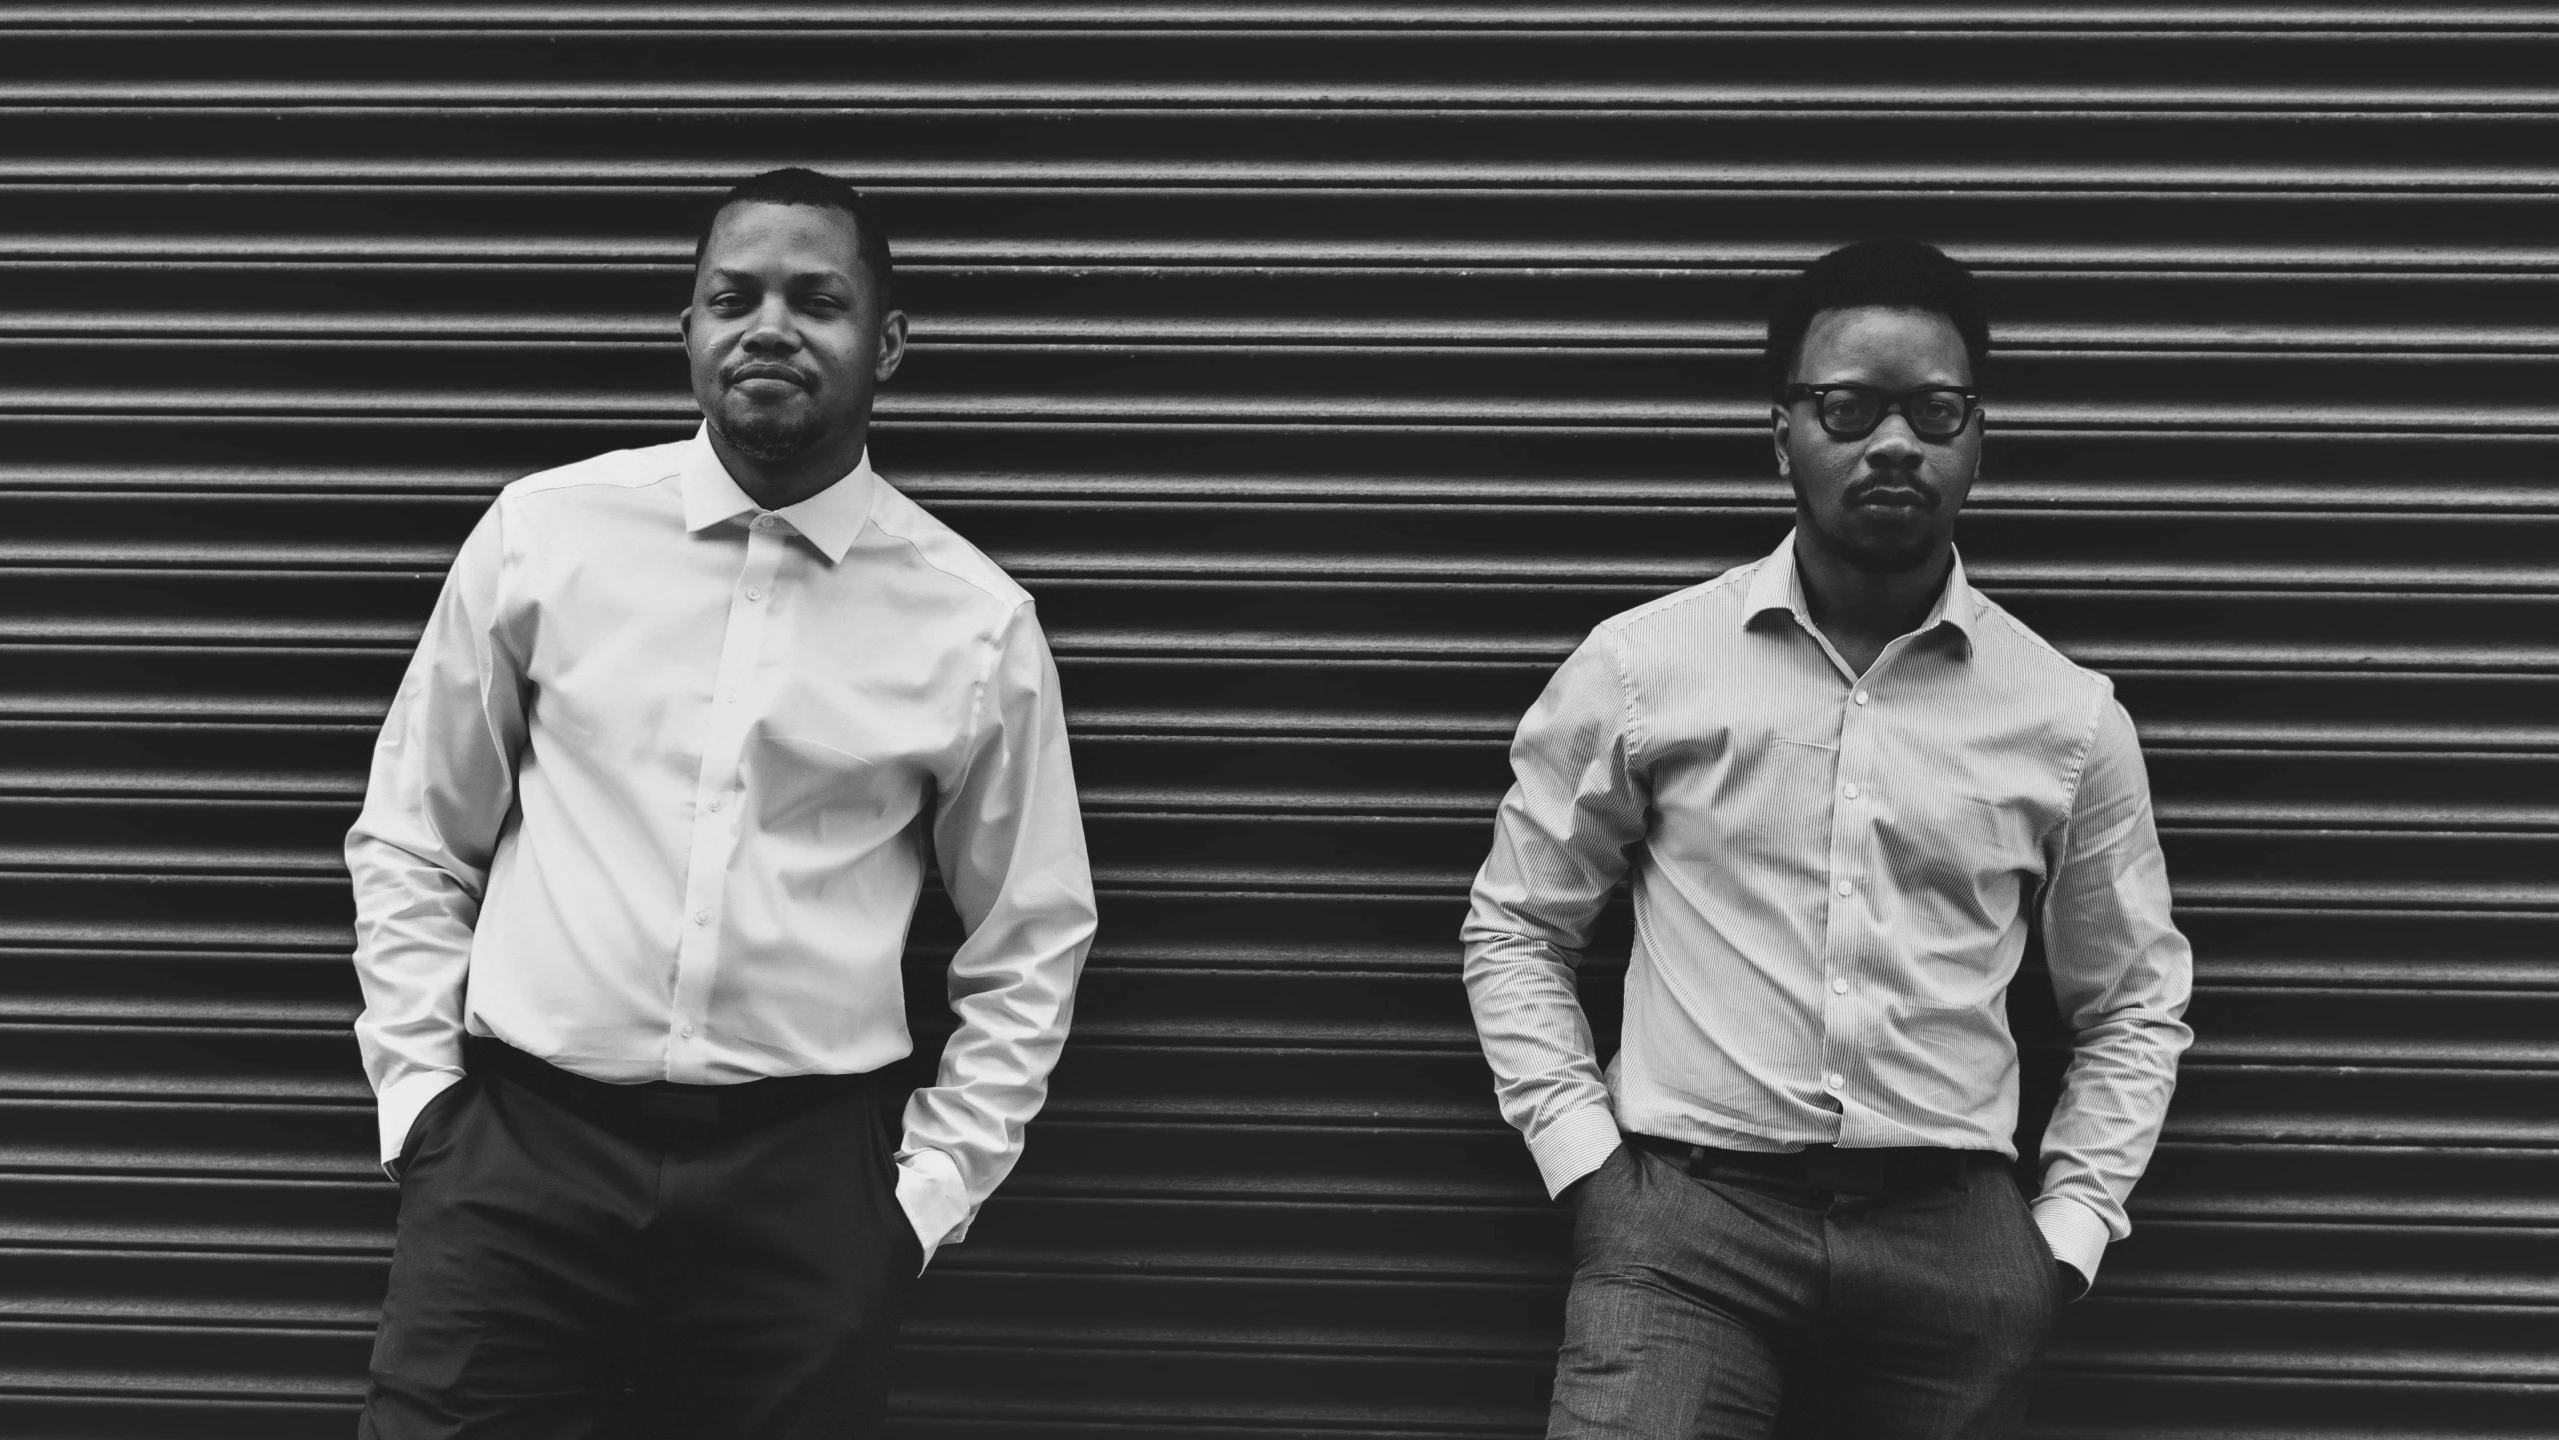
[1883, 559]
[768, 436]
[1875, 557]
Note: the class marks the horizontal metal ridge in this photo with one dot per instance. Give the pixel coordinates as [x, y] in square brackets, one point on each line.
[1217, 411]
[2234, 103]
[2227, 172]
[1429, 334]
[2382, 19]
[1426, 255]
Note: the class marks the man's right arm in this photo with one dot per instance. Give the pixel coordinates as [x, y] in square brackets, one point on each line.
[442, 785]
[1560, 846]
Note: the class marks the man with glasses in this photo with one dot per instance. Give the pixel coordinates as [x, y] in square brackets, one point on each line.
[1844, 783]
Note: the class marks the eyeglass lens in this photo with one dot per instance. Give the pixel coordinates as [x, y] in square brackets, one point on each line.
[1937, 414]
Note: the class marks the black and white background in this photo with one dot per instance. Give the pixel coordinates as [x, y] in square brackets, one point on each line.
[1325, 370]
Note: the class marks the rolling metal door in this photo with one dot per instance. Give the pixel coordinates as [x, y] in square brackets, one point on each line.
[1325, 371]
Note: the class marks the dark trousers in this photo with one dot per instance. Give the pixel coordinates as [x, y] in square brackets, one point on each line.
[562, 1272]
[1703, 1303]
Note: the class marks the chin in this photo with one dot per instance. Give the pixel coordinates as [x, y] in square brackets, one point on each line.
[768, 433]
[1886, 554]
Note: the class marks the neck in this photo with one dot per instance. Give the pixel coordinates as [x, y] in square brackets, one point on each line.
[1860, 610]
[776, 484]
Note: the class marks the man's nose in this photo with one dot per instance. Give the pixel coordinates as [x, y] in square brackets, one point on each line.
[772, 330]
[1894, 445]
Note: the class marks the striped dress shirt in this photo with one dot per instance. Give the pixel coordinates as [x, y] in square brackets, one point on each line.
[1833, 879]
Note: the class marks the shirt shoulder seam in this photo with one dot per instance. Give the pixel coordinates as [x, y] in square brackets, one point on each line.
[1010, 603]
[1620, 652]
[611, 469]
[2018, 628]
[1630, 718]
[2101, 689]
[1663, 604]
[990, 638]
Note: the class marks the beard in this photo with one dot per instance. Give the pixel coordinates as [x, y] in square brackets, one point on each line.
[766, 432]
[1897, 550]
[1879, 555]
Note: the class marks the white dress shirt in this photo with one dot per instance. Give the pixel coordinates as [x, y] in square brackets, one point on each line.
[655, 799]
[1833, 877]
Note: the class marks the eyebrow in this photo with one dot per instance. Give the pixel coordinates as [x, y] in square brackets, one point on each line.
[804, 277]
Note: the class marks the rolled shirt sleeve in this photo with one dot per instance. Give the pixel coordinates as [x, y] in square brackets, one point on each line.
[1560, 843]
[441, 790]
[1010, 840]
[2122, 975]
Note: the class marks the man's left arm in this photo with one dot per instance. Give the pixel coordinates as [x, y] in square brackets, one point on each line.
[1010, 840]
[2121, 973]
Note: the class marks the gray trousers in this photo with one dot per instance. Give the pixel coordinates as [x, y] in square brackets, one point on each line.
[1702, 1305]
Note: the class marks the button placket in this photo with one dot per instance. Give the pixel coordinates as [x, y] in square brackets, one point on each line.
[727, 723]
[1844, 937]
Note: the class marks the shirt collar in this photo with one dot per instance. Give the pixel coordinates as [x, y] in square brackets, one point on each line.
[1779, 587]
[832, 519]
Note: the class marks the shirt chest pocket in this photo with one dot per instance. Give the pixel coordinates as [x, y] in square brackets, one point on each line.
[1759, 805]
[1972, 849]
[805, 788]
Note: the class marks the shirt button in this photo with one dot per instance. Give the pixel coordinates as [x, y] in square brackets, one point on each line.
[1837, 1082]
[716, 802]
[1861, 697]
[1846, 889]
[701, 917]
[763, 522]
[1851, 790]
[688, 1032]
[1839, 987]
[752, 593]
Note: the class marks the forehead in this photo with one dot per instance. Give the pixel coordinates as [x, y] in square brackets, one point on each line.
[758, 235]
[1910, 347]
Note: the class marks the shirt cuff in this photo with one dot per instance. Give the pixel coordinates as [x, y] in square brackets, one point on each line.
[1573, 1146]
[396, 1108]
[934, 1197]
[2074, 1233]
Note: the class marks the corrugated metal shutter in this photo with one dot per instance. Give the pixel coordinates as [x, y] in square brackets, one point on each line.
[1325, 369]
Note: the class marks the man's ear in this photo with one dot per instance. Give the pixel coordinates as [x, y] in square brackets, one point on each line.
[684, 327]
[892, 346]
[1781, 427]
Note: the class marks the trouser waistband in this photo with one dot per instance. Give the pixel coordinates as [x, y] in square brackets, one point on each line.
[1887, 1170]
[663, 1105]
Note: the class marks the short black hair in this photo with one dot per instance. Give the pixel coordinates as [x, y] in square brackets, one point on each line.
[1894, 274]
[795, 185]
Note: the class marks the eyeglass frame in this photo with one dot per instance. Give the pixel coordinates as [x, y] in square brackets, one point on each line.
[1893, 400]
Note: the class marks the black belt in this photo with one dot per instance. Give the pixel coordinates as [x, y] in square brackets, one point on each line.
[1887, 1170]
[662, 1107]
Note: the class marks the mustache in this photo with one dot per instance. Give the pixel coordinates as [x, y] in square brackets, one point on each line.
[746, 370]
[1930, 497]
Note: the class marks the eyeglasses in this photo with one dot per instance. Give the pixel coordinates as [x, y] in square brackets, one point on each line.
[1851, 412]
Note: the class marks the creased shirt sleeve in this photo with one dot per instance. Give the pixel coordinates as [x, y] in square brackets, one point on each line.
[2122, 974]
[441, 789]
[1010, 841]
[1560, 845]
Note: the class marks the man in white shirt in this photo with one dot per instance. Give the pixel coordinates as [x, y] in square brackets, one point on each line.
[647, 823]
[1843, 782]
